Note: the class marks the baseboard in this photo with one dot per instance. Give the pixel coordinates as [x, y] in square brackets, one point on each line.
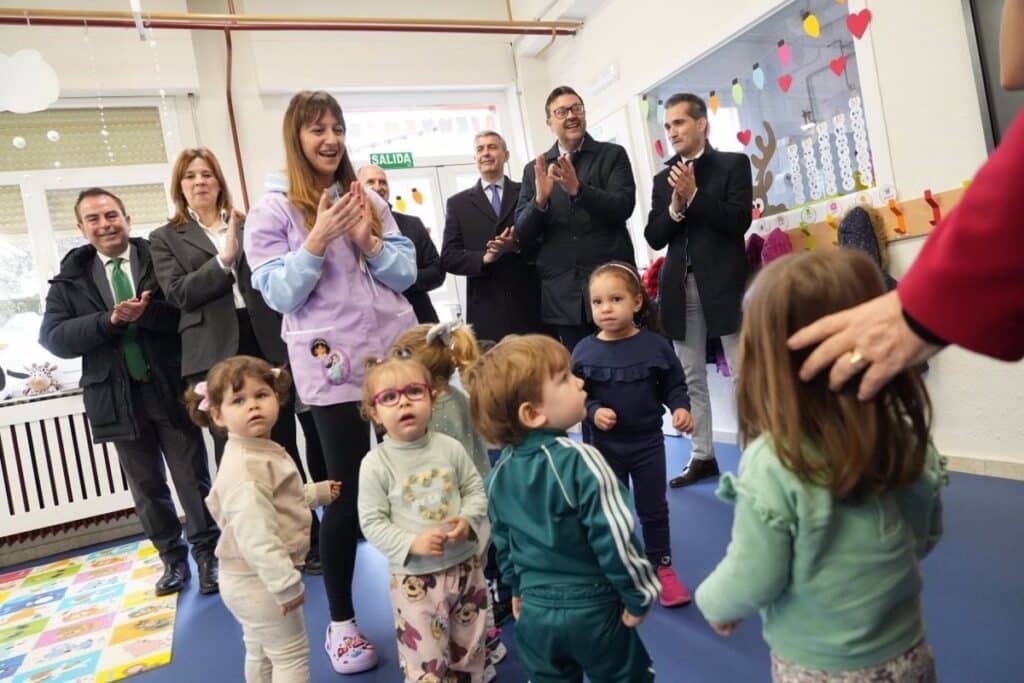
[32, 549]
[1003, 469]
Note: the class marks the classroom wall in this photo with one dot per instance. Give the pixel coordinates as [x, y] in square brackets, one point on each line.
[932, 118]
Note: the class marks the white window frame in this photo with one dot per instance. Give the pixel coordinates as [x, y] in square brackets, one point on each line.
[35, 183]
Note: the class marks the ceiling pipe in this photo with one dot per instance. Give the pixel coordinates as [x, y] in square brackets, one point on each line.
[256, 22]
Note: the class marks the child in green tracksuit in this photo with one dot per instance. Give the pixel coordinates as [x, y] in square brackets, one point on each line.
[562, 523]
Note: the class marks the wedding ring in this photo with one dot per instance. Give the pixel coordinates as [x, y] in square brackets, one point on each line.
[856, 358]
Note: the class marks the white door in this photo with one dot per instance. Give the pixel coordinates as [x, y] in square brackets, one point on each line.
[423, 192]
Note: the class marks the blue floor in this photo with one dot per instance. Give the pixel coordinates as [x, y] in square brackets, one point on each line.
[974, 599]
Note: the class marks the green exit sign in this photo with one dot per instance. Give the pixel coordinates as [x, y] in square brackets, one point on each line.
[388, 160]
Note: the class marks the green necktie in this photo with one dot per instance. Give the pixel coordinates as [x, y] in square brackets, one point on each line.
[130, 347]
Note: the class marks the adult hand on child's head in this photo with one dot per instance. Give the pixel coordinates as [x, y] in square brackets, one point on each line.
[605, 418]
[631, 620]
[459, 530]
[335, 490]
[726, 629]
[682, 421]
[293, 604]
[429, 543]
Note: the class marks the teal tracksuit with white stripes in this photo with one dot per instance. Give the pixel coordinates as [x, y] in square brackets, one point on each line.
[562, 526]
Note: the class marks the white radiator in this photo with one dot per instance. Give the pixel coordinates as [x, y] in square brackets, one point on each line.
[50, 471]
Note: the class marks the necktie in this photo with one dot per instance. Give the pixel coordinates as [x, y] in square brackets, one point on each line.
[130, 347]
[495, 199]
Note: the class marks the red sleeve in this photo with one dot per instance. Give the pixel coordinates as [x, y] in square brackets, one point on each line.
[967, 284]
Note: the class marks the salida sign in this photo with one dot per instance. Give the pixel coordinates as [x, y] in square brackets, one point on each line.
[390, 160]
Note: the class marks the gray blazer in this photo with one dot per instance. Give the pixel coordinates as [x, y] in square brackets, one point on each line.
[186, 267]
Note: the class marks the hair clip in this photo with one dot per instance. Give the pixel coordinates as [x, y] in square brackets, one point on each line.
[443, 331]
[276, 372]
[201, 390]
[404, 353]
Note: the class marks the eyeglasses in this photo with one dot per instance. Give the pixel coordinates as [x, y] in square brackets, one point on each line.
[563, 112]
[417, 391]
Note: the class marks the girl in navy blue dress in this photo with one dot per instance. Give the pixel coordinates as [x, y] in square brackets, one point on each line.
[630, 373]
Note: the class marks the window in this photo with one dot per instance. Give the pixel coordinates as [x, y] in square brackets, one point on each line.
[789, 100]
[47, 158]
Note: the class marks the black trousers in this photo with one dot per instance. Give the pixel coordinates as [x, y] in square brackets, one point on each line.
[142, 461]
[345, 438]
[283, 431]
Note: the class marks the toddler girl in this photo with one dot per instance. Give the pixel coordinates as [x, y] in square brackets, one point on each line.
[422, 504]
[629, 373]
[263, 509]
[837, 499]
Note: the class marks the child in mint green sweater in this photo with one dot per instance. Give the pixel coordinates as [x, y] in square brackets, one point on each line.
[837, 500]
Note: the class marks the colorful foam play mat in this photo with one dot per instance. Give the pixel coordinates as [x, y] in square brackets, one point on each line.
[87, 618]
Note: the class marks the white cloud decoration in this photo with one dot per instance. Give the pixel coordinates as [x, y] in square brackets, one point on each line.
[27, 82]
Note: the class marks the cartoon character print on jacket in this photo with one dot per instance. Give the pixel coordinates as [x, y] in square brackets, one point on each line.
[415, 588]
[431, 490]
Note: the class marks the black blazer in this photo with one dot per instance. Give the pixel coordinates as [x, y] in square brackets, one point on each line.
[575, 235]
[77, 323]
[502, 297]
[712, 231]
[428, 267]
[187, 268]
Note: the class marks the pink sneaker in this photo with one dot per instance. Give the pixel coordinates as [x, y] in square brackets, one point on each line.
[673, 592]
[349, 651]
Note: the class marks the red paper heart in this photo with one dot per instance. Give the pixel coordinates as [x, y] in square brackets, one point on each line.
[785, 81]
[837, 65]
[744, 136]
[858, 22]
[659, 148]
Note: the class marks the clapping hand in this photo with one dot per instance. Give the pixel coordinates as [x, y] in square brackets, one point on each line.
[502, 243]
[130, 310]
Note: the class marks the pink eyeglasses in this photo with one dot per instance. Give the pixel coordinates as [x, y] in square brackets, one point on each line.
[417, 391]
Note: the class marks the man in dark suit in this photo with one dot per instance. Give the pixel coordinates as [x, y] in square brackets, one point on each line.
[502, 289]
[429, 275]
[573, 208]
[106, 306]
[701, 208]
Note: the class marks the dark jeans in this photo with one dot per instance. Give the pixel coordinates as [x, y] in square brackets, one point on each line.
[185, 454]
[641, 458]
[345, 438]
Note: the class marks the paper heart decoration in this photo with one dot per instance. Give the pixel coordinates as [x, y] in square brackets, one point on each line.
[858, 22]
[837, 65]
[659, 148]
[744, 136]
[785, 81]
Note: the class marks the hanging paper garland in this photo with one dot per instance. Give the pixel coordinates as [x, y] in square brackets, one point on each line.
[758, 76]
[837, 65]
[417, 196]
[737, 91]
[659, 148]
[713, 102]
[811, 169]
[793, 156]
[828, 171]
[860, 142]
[784, 53]
[645, 107]
[858, 23]
[843, 152]
[785, 81]
[400, 203]
[811, 25]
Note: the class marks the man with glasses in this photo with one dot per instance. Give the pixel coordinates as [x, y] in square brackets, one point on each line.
[573, 207]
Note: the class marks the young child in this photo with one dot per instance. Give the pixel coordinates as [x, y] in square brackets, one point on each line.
[629, 372]
[562, 522]
[442, 349]
[422, 504]
[837, 500]
[263, 509]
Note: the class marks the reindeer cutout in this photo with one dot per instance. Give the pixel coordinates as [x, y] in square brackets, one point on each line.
[764, 179]
[40, 379]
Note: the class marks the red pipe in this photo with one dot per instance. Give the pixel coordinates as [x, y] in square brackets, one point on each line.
[291, 26]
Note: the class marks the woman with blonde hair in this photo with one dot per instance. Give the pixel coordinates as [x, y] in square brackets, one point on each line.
[329, 256]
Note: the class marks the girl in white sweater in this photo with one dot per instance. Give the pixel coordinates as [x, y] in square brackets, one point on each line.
[263, 509]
